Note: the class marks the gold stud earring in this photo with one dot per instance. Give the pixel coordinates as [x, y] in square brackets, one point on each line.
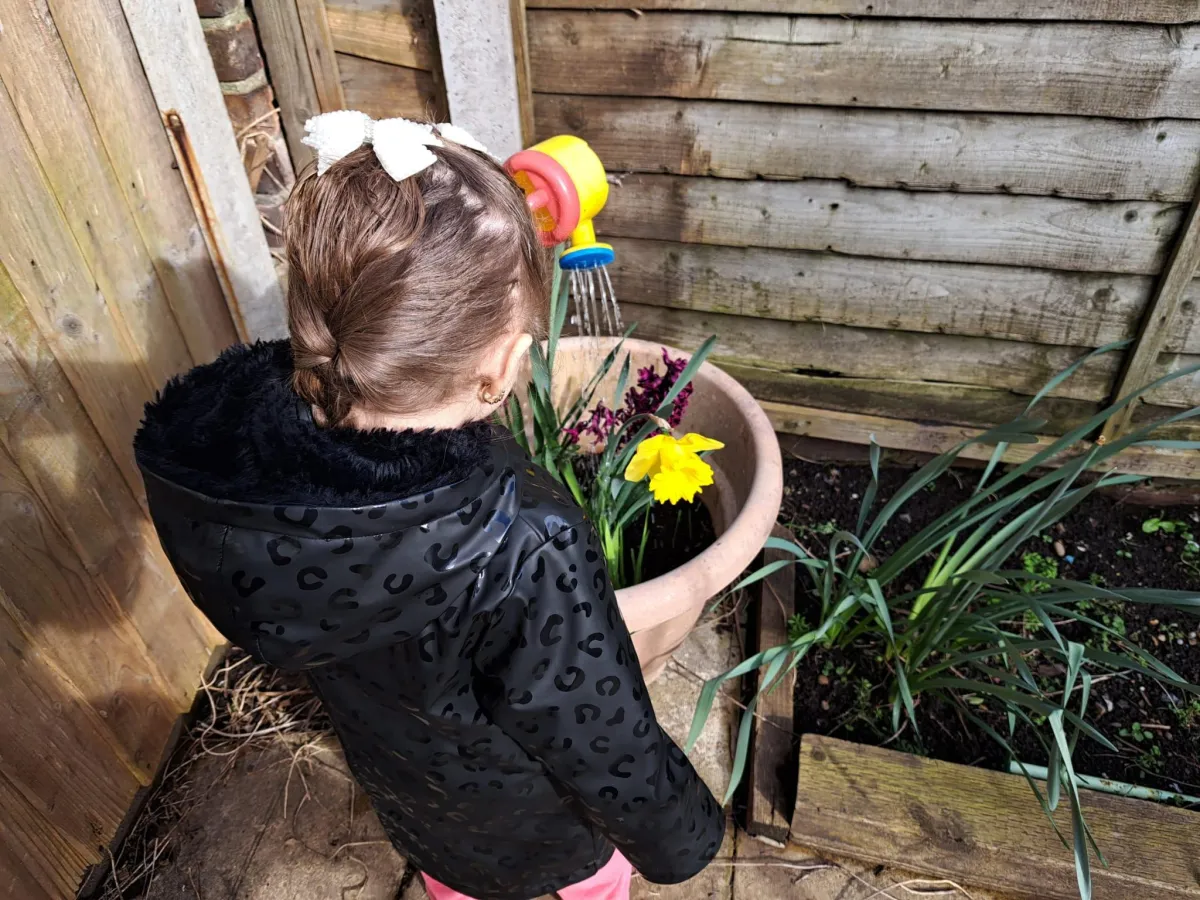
[489, 398]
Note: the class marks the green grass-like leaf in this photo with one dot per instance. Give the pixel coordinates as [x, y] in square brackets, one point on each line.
[962, 635]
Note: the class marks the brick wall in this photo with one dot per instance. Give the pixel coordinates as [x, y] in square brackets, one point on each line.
[233, 44]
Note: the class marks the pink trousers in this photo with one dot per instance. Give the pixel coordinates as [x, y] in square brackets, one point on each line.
[610, 883]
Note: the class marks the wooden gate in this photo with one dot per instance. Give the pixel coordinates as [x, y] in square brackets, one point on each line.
[107, 289]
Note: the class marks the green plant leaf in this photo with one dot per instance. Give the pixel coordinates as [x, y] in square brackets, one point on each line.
[741, 750]
[1079, 833]
[685, 377]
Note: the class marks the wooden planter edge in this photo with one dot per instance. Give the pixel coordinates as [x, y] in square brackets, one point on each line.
[984, 828]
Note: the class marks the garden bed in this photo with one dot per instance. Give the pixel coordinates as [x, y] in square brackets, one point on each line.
[915, 803]
[1103, 541]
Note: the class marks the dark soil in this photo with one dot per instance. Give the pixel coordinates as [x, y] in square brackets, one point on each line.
[844, 693]
[677, 535]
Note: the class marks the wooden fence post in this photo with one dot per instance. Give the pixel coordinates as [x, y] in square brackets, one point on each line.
[180, 72]
[319, 42]
[479, 66]
[292, 76]
[1158, 319]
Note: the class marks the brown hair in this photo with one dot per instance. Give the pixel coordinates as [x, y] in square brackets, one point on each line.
[396, 289]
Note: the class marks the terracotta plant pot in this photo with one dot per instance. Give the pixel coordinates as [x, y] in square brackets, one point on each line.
[744, 500]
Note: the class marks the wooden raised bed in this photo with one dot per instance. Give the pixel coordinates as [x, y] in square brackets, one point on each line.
[972, 826]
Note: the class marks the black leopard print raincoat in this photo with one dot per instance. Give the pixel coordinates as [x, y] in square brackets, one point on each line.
[453, 612]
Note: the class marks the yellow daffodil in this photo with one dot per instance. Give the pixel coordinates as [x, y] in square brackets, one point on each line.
[673, 465]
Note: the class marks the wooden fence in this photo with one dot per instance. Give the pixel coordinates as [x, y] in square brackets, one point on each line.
[107, 289]
[378, 56]
[895, 212]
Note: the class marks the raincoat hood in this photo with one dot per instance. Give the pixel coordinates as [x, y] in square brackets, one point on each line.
[235, 454]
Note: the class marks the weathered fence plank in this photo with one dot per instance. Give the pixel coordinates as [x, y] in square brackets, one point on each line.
[816, 348]
[918, 401]
[50, 593]
[54, 444]
[983, 828]
[58, 124]
[319, 43]
[177, 65]
[925, 437]
[46, 267]
[1039, 305]
[402, 37]
[292, 79]
[1158, 326]
[97, 40]
[1042, 232]
[383, 90]
[1183, 391]
[1162, 11]
[37, 861]
[1062, 156]
[1126, 71]
[58, 752]
[769, 796]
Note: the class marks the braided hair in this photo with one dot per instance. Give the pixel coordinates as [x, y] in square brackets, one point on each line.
[396, 289]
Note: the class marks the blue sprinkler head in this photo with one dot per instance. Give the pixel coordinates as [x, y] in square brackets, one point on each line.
[589, 256]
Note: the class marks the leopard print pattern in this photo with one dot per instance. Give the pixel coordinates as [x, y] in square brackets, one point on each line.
[469, 649]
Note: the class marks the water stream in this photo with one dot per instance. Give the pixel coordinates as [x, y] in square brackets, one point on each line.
[596, 309]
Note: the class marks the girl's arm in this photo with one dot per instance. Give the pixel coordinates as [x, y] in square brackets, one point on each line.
[563, 681]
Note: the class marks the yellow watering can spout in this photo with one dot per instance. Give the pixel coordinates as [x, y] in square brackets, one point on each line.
[565, 187]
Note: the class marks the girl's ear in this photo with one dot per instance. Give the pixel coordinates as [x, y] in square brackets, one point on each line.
[503, 364]
[516, 355]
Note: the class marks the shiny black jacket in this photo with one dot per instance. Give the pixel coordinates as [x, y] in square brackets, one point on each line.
[454, 614]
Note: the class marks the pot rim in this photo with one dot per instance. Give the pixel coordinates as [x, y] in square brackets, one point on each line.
[677, 592]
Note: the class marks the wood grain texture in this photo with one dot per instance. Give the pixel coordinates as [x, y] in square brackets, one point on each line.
[319, 42]
[1183, 391]
[924, 437]
[1037, 305]
[97, 40]
[58, 752]
[520, 32]
[37, 861]
[50, 274]
[770, 796]
[1158, 324]
[1123, 71]
[179, 69]
[984, 828]
[400, 34]
[1162, 11]
[73, 161]
[1062, 156]
[1043, 232]
[282, 36]
[805, 347]
[917, 401]
[382, 90]
[47, 590]
[49, 436]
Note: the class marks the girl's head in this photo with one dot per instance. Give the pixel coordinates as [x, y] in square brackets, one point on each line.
[410, 297]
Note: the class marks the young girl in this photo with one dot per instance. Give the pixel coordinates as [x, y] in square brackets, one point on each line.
[342, 505]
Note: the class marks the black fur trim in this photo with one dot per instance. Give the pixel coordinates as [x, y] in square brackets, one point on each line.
[235, 430]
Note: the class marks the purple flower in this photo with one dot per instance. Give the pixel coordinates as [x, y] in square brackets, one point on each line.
[643, 399]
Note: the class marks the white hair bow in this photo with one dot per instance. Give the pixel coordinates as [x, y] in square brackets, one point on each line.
[401, 146]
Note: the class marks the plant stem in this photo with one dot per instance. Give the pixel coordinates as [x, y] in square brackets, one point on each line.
[611, 543]
[572, 483]
[1109, 786]
[637, 566]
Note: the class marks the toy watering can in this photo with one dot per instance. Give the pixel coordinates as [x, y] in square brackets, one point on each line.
[564, 184]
